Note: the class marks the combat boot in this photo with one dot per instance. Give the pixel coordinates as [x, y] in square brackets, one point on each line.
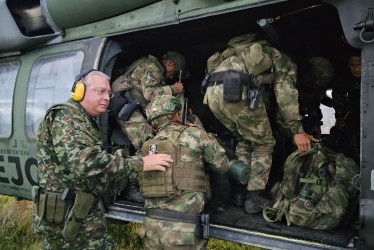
[256, 201]
[238, 200]
[239, 195]
[133, 192]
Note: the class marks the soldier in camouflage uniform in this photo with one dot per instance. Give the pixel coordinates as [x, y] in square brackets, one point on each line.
[144, 82]
[71, 155]
[315, 78]
[346, 102]
[251, 125]
[194, 147]
[145, 79]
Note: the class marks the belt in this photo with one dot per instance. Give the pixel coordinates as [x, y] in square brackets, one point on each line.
[201, 221]
[217, 78]
[173, 216]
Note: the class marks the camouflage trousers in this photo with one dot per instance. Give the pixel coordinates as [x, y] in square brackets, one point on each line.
[162, 234]
[253, 131]
[137, 129]
[92, 233]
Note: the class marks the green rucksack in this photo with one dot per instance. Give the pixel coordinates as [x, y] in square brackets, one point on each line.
[238, 45]
[316, 191]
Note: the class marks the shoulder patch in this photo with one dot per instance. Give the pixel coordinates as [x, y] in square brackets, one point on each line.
[151, 75]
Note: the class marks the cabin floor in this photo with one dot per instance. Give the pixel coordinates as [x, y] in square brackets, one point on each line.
[236, 218]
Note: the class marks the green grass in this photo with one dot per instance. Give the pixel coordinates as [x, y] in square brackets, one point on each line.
[16, 233]
[15, 229]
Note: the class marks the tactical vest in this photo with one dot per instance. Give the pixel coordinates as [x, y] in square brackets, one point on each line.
[316, 190]
[181, 176]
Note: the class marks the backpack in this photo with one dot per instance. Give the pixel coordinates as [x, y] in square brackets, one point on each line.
[316, 190]
[238, 45]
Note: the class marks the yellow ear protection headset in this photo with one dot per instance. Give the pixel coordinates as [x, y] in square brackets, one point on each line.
[79, 88]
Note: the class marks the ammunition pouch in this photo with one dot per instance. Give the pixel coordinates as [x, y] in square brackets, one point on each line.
[76, 213]
[49, 206]
[233, 85]
[201, 221]
[123, 105]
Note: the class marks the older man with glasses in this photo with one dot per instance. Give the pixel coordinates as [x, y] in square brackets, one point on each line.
[75, 170]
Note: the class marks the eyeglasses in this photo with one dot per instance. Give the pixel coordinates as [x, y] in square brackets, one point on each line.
[101, 91]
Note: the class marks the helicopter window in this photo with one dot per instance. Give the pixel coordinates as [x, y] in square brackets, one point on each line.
[50, 83]
[8, 75]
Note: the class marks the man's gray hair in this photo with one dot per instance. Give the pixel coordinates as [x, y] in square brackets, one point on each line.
[87, 79]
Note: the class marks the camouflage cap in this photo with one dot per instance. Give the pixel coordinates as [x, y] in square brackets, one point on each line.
[177, 58]
[161, 106]
[321, 70]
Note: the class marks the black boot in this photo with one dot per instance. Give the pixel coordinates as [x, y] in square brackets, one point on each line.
[256, 201]
[133, 192]
[239, 194]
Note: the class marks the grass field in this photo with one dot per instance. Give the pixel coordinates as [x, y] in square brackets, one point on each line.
[15, 230]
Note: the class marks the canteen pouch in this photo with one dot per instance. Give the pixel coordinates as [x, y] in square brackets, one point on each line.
[239, 172]
[75, 215]
[302, 212]
[232, 86]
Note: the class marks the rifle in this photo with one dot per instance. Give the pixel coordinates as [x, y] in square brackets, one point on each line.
[180, 76]
[185, 111]
[129, 108]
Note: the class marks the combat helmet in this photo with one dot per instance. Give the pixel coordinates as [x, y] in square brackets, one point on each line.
[177, 58]
[159, 109]
[321, 70]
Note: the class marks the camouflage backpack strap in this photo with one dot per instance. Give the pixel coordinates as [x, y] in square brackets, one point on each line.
[176, 134]
[292, 168]
[318, 175]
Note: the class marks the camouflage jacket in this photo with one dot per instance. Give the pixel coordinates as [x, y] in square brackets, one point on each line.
[71, 155]
[285, 90]
[284, 87]
[195, 145]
